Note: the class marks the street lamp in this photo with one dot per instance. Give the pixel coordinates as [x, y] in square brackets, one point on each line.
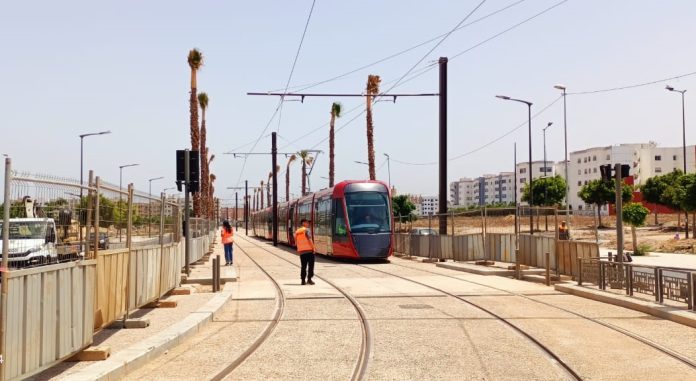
[120, 195]
[388, 170]
[531, 174]
[82, 146]
[670, 88]
[149, 209]
[566, 163]
[361, 162]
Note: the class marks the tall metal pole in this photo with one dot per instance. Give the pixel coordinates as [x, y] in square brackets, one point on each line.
[442, 197]
[515, 186]
[531, 174]
[236, 209]
[388, 171]
[274, 152]
[187, 202]
[5, 256]
[79, 220]
[246, 206]
[686, 219]
[567, 163]
[619, 216]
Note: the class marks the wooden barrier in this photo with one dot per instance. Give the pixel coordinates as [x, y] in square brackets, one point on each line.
[569, 252]
[533, 247]
[500, 247]
[112, 275]
[49, 315]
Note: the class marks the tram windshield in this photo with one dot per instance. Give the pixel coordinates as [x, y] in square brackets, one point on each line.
[368, 212]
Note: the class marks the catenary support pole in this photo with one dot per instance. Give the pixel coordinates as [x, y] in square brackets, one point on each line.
[187, 204]
[619, 217]
[274, 154]
[246, 206]
[442, 197]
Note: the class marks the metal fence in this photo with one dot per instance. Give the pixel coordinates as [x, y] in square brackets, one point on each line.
[657, 282]
[78, 257]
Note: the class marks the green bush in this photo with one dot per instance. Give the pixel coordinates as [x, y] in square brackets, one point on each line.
[642, 249]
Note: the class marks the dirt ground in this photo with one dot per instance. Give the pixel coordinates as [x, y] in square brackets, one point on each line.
[660, 236]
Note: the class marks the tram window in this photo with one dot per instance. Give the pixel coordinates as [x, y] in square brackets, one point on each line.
[340, 231]
[368, 212]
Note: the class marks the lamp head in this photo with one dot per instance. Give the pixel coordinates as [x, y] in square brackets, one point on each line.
[505, 97]
[669, 88]
[559, 87]
[549, 124]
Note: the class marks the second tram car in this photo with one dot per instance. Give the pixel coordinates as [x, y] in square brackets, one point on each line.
[351, 220]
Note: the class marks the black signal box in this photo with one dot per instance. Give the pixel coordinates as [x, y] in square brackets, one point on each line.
[194, 172]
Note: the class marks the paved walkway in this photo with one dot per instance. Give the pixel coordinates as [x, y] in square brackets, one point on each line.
[661, 259]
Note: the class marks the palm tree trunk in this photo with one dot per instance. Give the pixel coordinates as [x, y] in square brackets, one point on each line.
[205, 199]
[331, 149]
[370, 140]
[268, 192]
[261, 195]
[195, 135]
[287, 183]
[304, 177]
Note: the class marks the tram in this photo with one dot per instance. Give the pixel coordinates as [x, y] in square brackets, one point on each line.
[353, 219]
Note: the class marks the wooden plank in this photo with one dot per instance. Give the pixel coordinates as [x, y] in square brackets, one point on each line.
[64, 313]
[13, 336]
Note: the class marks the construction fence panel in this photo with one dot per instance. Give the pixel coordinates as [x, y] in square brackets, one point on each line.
[533, 247]
[500, 247]
[112, 285]
[468, 247]
[49, 315]
[568, 253]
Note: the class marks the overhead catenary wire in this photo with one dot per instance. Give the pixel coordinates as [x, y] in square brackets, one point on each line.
[306, 86]
[632, 86]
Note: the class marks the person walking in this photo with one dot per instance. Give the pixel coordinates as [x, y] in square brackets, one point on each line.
[305, 247]
[227, 234]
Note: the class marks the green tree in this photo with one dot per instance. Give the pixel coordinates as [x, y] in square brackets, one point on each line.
[600, 192]
[403, 208]
[548, 191]
[653, 189]
[635, 215]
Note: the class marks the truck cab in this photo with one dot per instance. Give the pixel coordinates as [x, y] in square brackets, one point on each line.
[32, 241]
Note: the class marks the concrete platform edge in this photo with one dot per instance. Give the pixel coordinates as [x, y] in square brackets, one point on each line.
[664, 312]
[137, 355]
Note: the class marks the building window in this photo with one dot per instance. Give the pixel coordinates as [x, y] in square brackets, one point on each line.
[579, 207]
[578, 160]
[523, 170]
[585, 182]
[658, 157]
[522, 180]
[594, 170]
[594, 158]
[504, 188]
[579, 183]
[658, 170]
[608, 157]
[585, 171]
[674, 157]
[584, 160]
[579, 172]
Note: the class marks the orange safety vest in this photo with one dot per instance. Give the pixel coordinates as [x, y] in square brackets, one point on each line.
[303, 244]
[227, 237]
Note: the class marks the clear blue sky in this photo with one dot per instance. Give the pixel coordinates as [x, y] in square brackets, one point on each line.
[72, 67]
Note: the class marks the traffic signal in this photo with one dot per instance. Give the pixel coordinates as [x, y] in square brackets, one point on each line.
[194, 173]
[605, 170]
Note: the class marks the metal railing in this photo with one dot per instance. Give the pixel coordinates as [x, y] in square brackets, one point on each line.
[660, 283]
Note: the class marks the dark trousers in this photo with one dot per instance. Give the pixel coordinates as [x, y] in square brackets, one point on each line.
[228, 252]
[307, 260]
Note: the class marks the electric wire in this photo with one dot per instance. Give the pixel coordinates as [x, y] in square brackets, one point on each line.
[632, 86]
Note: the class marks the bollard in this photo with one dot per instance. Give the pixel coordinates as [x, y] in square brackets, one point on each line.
[579, 271]
[217, 269]
[517, 264]
[547, 258]
[214, 268]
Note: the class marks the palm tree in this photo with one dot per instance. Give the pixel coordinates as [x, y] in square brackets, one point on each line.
[268, 188]
[205, 202]
[207, 196]
[306, 160]
[372, 90]
[195, 61]
[255, 200]
[287, 177]
[211, 192]
[335, 113]
[261, 195]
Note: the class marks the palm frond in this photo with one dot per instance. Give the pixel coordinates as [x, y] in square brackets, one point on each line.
[373, 82]
[336, 109]
[195, 59]
[203, 100]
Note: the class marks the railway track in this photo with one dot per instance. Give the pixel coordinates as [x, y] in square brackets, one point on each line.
[677, 356]
[362, 363]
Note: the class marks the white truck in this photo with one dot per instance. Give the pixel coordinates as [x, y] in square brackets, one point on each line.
[32, 241]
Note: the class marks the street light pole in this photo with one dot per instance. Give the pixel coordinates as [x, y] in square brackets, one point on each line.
[670, 88]
[388, 171]
[82, 146]
[149, 202]
[545, 172]
[531, 174]
[566, 162]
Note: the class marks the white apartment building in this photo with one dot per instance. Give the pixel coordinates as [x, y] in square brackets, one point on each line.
[645, 159]
[427, 205]
[484, 190]
[539, 169]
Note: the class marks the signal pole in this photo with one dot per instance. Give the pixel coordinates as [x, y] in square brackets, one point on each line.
[274, 154]
[442, 198]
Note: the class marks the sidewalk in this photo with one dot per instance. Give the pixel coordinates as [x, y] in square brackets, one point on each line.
[132, 348]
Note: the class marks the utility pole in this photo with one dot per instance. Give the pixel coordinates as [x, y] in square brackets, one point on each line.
[274, 154]
[236, 209]
[442, 197]
[246, 206]
[187, 202]
[619, 215]
[516, 205]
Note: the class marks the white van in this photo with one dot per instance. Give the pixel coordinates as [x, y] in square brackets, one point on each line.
[32, 241]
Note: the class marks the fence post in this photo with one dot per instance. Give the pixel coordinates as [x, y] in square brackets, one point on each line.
[129, 241]
[5, 259]
[517, 263]
[629, 280]
[84, 243]
[96, 217]
[547, 259]
[579, 271]
[693, 291]
[555, 225]
[602, 284]
[658, 285]
[452, 239]
[161, 241]
[428, 236]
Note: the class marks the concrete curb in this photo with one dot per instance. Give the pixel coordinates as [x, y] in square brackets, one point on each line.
[484, 270]
[677, 315]
[137, 355]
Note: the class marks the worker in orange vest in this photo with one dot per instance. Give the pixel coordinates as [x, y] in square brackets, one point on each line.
[305, 247]
[227, 235]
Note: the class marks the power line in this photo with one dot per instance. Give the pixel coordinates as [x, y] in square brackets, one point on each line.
[632, 86]
[306, 86]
